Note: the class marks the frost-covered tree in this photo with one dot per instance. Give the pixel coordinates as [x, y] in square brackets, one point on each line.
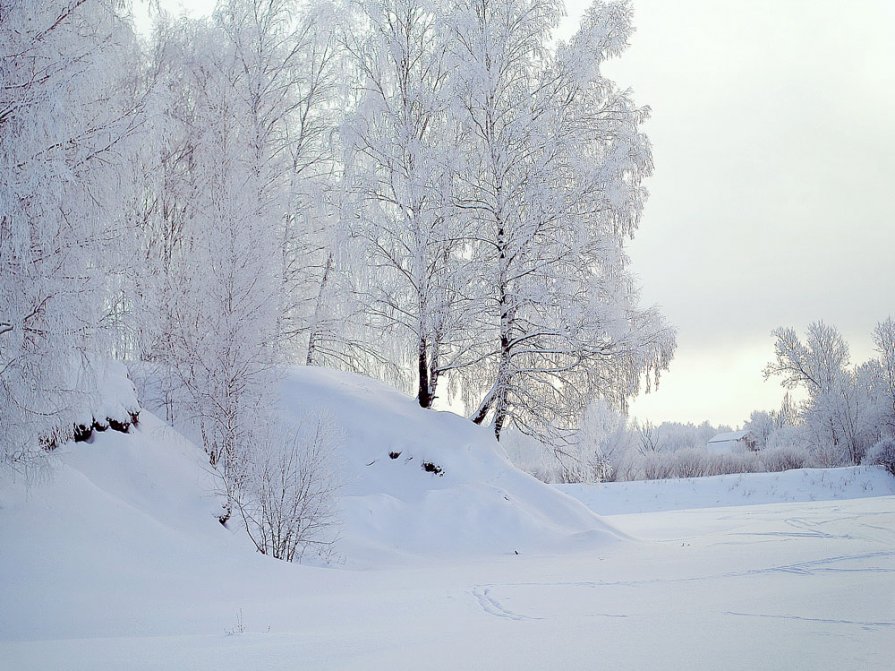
[884, 341]
[400, 146]
[598, 448]
[551, 177]
[224, 339]
[821, 366]
[311, 234]
[68, 113]
[229, 229]
[762, 425]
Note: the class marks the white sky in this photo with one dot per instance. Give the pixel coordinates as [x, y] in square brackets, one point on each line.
[773, 132]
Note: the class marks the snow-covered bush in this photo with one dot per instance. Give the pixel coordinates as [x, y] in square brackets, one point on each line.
[690, 462]
[656, 466]
[882, 454]
[784, 458]
[726, 464]
[284, 491]
[595, 452]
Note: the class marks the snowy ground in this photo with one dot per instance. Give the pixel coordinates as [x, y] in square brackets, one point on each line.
[117, 563]
[746, 489]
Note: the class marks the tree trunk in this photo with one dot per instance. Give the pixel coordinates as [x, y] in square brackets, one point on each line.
[484, 407]
[318, 312]
[424, 395]
[503, 375]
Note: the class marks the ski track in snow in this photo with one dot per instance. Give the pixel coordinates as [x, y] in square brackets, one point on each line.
[812, 619]
[485, 594]
[492, 606]
[800, 568]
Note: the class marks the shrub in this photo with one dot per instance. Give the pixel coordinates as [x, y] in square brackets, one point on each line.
[690, 462]
[882, 454]
[783, 458]
[285, 492]
[657, 466]
[726, 464]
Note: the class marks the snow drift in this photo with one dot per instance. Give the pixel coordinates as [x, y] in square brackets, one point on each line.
[424, 482]
[152, 489]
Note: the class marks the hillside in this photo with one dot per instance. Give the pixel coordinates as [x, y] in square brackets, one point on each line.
[114, 559]
[476, 503]
[125, 518]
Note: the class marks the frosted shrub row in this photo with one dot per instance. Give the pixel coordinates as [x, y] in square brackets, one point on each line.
[696, 463]
[690, 462]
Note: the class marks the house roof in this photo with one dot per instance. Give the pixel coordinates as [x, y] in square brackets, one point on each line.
[729, 436]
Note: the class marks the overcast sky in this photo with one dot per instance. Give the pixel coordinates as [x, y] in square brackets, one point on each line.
[773, 132]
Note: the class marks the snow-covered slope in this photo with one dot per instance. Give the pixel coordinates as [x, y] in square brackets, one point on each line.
[116, 560]
[148, 496]
[476, 503]
[132, 518]
[112, 520]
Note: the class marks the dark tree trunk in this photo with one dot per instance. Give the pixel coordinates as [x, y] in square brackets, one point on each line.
[424, 394]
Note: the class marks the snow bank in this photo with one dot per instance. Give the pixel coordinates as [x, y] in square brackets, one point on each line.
[122, 517]
[148, 495]
[472, 500]
[809, 484]
[113, 406]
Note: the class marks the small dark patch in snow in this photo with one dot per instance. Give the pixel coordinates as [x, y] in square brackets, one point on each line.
[99, 426]
[429, 467]
[82, 433]
[394, 455]
[121, 427]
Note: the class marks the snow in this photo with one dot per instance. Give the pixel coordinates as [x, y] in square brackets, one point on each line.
[119, 397]
[116, 560]
[802, 485]
[392, 508]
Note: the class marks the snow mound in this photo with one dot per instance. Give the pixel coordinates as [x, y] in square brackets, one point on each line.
[424, 482]
[146, 500]
[122, 514]
[118, 398]
[114, 405]
[796, 486]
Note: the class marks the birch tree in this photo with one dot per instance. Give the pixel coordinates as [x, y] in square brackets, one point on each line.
[244, 98]
[884, 342]
[68, 113]
[821, 366]
[400, 146]
[553, 165]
